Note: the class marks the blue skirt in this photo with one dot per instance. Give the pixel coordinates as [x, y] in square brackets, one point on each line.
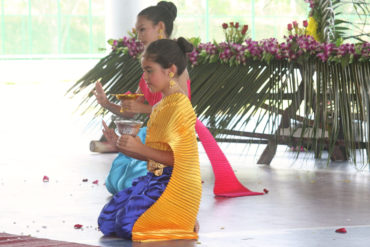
[121, 212]
[125, 169]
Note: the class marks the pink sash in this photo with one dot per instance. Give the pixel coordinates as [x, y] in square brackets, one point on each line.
[226, 183]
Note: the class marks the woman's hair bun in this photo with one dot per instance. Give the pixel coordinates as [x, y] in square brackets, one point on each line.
[185, 45]
[170, 7]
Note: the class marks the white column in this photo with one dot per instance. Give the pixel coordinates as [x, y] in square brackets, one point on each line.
[120, 16]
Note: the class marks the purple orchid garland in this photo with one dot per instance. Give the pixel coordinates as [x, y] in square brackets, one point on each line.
[294, 48]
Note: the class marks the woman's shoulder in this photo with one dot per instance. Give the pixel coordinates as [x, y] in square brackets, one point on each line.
[177, 100]
[176, 97]
[176, 104]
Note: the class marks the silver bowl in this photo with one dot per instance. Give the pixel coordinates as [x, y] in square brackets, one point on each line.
[128, 127]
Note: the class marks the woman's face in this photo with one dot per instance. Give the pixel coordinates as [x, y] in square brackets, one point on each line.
[147, 32]
[155, 76]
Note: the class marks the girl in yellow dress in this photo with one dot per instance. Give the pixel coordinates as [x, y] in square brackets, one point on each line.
[164, 204]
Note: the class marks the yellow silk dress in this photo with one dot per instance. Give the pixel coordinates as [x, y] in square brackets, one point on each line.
[172, 127]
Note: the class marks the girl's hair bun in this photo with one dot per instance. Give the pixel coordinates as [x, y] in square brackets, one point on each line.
[185, 45]
[170, 7]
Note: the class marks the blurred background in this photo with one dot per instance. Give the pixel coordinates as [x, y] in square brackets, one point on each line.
[47, 45]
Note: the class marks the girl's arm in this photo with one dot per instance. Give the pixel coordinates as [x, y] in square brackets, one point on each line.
[133, 147]
[116, 109]
[163, 157]
[110, 135]
[131, 107]
[136, 106]
[102, 99]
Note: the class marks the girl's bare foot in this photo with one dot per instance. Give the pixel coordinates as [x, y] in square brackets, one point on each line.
[196, 227]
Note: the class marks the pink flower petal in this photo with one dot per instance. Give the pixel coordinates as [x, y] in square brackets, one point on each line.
[265, 190]
[341, 230]
[78, 226]
[45, 179]
[95, 182]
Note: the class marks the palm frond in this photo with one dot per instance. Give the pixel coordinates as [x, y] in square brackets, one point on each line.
[327, 20]
[322, 105]
[344, 28]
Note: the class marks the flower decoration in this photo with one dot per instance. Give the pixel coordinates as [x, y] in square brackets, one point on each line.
[133, 33]
[294, 29]
[322, 20]
[127, 45]
[312, 28]
[78, 226]
[341, 230]
[311, 2]
[234, 33]
[313, 21]
[290, 27]
[301, 44]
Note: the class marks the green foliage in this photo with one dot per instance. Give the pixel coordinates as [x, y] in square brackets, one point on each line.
[351, 19]
[195, 41]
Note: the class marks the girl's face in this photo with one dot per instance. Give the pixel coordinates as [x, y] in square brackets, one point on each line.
[156, 77]
[147, 32]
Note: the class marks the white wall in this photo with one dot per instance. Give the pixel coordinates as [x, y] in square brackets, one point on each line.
[120, 16]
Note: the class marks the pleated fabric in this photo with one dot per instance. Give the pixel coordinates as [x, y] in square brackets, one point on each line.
[125, 169]
[121, 212]
[173, 215]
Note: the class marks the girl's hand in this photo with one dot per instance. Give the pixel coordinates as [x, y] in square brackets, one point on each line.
[129, 144]
[134, 106]
[110, 134]
[100, 95]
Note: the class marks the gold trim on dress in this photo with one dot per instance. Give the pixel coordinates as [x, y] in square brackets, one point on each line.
[155, 167]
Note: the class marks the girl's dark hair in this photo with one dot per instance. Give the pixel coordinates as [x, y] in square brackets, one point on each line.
[164, 11]
[167, 52]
